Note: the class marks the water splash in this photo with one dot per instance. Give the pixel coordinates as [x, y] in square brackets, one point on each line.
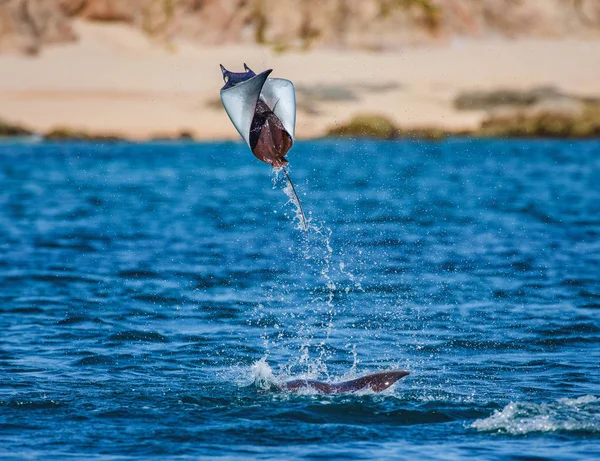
[318, 306]
[262, 375]
[311, 321]
[565, 415]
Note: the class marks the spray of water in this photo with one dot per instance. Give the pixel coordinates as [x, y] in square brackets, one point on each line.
[304, 339]
[290, 192]
[305, 329]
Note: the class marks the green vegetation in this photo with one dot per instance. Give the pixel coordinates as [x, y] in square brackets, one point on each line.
[308, 34]
[583, 124]
[280, 48]
[259, 17]
[430, 12]
[10, 130]
[488, 100]
[260, 21]
[157, 15]
[537, 112]
[516, 124]
[70, 134]
[366, 126]
[430, 133]
[380, 127]
[183, 135]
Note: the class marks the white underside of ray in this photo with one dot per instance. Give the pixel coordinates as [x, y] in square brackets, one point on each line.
[240, 103]
[280, 97]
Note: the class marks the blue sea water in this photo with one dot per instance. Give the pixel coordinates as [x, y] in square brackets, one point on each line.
[152, 295]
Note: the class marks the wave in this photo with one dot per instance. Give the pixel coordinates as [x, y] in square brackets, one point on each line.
[261, 376]
[565, 415]
[95, 360]
[134, 335]
[42, 404]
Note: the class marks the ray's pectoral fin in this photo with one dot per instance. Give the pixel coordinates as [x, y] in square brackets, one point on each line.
[240, 96]
[376, 382]
[269, 140]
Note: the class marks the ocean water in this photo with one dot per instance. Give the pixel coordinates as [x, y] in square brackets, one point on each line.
[152, 296]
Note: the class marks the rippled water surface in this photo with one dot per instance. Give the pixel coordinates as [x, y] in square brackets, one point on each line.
[152, 296]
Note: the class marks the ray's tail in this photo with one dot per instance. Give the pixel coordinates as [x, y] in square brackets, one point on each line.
[296, 200]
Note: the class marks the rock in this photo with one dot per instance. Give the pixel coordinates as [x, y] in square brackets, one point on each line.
[108, 10]
[588, 12]
[71, 7]
[27, 25]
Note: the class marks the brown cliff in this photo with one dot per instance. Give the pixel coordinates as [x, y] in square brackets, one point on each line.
[28, 25]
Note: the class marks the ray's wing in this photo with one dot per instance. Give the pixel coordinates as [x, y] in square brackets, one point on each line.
[240, 101]
[280, 96]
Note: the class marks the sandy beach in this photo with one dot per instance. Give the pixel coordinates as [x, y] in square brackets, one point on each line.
[117, 80]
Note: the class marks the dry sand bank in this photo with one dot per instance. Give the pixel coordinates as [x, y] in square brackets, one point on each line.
[117, 80]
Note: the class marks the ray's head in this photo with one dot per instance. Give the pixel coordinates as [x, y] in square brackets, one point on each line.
[231, 79]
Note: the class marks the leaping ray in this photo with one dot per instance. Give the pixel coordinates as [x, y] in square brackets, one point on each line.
[263, 111]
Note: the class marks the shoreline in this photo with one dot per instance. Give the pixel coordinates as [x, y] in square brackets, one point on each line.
[40, 139]
[117, 81]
